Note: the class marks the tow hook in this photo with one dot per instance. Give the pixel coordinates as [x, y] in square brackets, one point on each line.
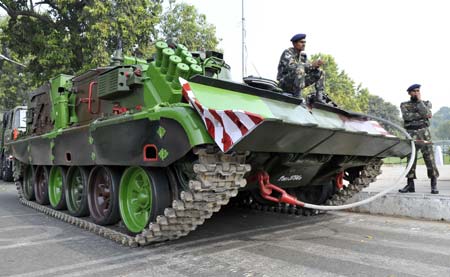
[267, 189]
[340, 180]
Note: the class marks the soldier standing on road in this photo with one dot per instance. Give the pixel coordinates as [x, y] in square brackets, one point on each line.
[416, 115]
[295, 72]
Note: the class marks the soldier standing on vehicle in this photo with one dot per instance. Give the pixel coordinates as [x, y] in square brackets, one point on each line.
[295, 72]
[416, 115]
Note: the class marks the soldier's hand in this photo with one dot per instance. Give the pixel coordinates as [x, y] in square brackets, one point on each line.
[317, 63]
[418, 95]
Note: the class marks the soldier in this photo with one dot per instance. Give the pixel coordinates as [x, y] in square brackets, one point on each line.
[296, 73]
[416, 115]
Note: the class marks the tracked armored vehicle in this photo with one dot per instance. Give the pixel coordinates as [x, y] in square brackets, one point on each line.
[142, 151]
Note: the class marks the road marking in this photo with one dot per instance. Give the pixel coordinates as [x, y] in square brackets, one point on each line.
[48, 232]
[176, 257]
[33, 243]
[259, 265]
[402, 265]
[164, 246]
[17, 215]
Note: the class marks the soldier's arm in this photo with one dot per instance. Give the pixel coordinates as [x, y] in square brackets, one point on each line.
[304, 60]
[289, 60]
[424, 109]
[406, 113]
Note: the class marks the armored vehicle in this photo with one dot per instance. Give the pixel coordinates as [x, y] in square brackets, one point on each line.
[142, 151]
[13, 123]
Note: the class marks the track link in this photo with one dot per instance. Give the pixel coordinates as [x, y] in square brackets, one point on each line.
[218, 177]
[367, 175]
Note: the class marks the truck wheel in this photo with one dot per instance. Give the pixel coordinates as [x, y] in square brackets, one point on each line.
[7, 172]
[75, 191]
[1, 167]
[41, 185]
[103, 195]
[28, 183]
[143, 195]
[56, 185]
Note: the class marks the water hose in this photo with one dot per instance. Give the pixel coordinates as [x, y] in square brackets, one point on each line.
[285, 198]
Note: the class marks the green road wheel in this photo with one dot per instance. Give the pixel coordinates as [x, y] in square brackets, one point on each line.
[103, 195]
[56, 186]
[41, 185]
[28, 183]
[76, 191]
[143, 195]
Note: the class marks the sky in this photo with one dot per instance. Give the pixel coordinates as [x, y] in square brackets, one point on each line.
[383, 45]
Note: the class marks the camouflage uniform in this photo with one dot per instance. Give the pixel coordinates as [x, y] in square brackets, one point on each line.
[295, 73]
[416, 115]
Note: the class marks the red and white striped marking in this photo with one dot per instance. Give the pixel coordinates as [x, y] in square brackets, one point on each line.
[226, 127]
[369, 126]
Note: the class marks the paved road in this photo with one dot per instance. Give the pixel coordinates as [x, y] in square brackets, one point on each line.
[422, 183]
[233, 243]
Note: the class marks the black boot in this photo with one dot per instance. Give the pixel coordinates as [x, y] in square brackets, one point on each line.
[433, 185]
[409, 186]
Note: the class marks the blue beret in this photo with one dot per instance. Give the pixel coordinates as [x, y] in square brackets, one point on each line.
[298, 37]
[412, 87]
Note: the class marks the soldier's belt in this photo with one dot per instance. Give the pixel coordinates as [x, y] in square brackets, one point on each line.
[416, 127]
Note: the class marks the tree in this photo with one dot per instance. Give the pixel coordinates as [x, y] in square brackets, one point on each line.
[14, 80]
[441, 115]
[440, 128]
[385, 110]
[340, 87]
[443, 130]
[186, 26]
[71, 36]
[380, 108]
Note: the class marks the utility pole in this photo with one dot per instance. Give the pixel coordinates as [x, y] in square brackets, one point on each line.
[244, 69]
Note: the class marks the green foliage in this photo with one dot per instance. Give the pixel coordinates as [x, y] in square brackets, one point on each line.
[442, 115]
[186, 26]
[72, 36]
[388, 111]
[443, 130]
[14, 86]
[440, 124]
[14, 83]
[341, 88]
[379, 107]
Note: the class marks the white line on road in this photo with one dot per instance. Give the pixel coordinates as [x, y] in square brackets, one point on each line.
[27, 244]
[34, 232]
[17, 215]
[143, 253]
[397, 264]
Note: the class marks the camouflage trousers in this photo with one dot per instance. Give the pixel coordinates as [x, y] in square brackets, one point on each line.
[301, 78]
[427, 153]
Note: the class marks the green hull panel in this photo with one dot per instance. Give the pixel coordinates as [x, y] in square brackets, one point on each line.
[288, 127]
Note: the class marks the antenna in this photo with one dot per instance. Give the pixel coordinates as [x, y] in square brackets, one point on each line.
[117, 56]
[244, 69]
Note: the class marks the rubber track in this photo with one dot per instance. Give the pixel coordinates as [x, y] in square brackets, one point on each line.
[218, 177]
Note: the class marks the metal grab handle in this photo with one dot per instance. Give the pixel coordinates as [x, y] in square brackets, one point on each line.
[89, 100]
